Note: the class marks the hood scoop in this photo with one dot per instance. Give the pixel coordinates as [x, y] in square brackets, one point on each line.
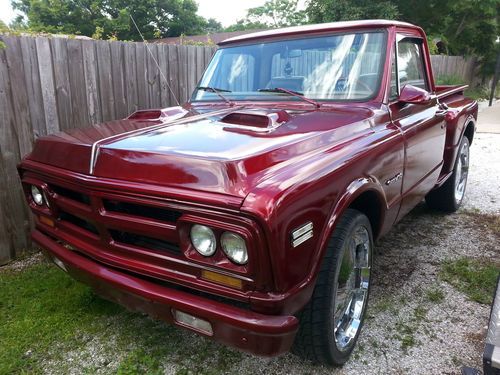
[157, 114]
[256, 120]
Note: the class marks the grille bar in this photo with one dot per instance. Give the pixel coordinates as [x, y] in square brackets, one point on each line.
[144, 241]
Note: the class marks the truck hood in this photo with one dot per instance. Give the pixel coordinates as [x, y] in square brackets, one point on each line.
[202, 150]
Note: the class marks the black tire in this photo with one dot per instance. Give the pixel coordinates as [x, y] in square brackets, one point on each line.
[444, 197]
[315, 339]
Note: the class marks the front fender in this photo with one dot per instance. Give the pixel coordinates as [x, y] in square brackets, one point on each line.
[299, 296]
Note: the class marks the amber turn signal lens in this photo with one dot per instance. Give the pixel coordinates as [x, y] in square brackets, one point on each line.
[222, 279]
[47, 221]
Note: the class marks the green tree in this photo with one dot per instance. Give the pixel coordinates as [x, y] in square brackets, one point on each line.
[273, 14]
[213, 26]
[3, 26]
[277, 13]
[155, 18]
[243, 24]
[467, 26]
[320, 11]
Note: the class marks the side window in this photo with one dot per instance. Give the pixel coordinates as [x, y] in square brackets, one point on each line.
[411, 64]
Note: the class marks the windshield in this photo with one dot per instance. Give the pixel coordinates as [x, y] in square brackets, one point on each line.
[334, 67]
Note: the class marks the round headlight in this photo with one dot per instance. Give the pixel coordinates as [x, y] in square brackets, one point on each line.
[203, 240]
[37, 195]
[234, 247]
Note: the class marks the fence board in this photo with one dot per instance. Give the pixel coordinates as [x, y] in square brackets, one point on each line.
[91, 83]
[62, 84]
[117, 71]
[47, 84]
[153, 75]
[6, 250]
[15, 219]
[191, 68]
[33, 87]
[173, 72]
[165, 93]
[142, 76]
[182, 72]
[76, 71]
[131, 77]
[20, 105]
[107, 99]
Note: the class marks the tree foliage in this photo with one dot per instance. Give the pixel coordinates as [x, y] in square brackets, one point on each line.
[244, 24]
[320, 11]
[277, 13]
[155, 18]
[213, 26]
[273, 14]
[466, 26]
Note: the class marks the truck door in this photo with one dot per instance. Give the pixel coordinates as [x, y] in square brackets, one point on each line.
[423, 125]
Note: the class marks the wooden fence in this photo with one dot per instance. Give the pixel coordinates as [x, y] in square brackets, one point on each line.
[52, 84]
[460, 67]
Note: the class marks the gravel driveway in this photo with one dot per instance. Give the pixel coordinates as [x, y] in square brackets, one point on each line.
[417, 323]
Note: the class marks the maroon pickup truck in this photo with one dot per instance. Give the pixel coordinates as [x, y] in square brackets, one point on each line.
[249, 214]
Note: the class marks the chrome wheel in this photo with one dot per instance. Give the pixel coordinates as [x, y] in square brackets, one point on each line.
[352, 288]
[462, 171]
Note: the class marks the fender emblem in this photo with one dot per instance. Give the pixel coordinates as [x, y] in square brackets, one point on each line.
[302, 234]
[396, 178]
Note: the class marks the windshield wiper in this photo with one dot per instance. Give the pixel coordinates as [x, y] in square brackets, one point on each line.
[292, 93]
[217, 91]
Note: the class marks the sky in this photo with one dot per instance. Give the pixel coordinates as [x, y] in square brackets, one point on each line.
[6, 12]
[226, 12]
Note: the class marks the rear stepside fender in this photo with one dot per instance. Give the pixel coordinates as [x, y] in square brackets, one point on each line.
[460, 122]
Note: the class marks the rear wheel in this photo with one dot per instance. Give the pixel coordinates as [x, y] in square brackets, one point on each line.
[450, 195]
[331, 322]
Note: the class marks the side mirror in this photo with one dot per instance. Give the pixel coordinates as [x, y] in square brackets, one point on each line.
[414, 95]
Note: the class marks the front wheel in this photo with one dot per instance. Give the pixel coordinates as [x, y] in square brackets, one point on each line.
[331, 322]
[450, 195]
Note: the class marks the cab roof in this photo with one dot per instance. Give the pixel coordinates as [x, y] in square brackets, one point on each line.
[317, 28]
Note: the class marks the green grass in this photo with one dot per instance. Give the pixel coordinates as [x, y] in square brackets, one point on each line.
[435, 295]
[477, 93]
[38, 307]
[449, 80]
[406, 335]
[45, 316]
[476, 278]
[140, 362]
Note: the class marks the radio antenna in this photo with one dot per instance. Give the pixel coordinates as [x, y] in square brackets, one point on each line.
[156, 62]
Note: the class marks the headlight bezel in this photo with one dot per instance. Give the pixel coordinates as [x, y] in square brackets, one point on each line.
[219, 223]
